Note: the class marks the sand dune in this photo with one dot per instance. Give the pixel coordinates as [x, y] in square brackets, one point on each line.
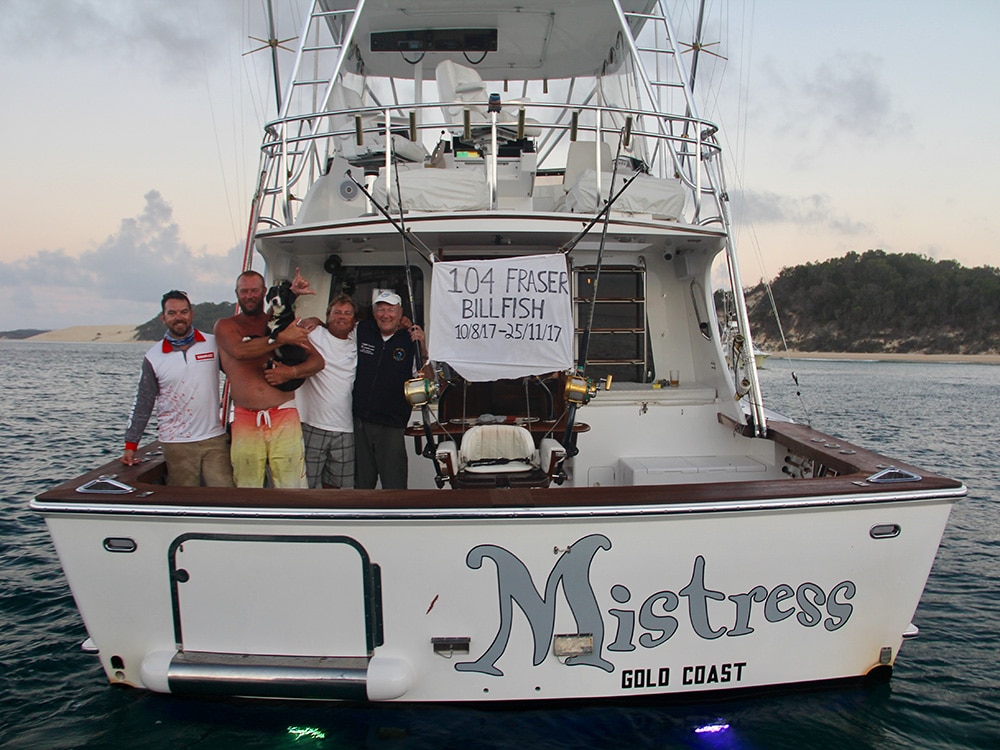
[990, 359]
[111, 333]
[125, 332]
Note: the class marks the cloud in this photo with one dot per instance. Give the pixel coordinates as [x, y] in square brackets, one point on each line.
[170, 40]
[119, 281]
[842, 97]
[810, 211]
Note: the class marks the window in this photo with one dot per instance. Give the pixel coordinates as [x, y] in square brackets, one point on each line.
[619, 343]
[358, 282]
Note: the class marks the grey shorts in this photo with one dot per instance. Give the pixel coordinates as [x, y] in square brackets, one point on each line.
[329, 458]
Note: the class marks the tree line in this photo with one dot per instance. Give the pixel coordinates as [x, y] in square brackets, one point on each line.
[881, 302]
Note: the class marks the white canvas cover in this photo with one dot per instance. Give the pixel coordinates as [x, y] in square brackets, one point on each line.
[502, 318]
[435, 190]
[663, 199]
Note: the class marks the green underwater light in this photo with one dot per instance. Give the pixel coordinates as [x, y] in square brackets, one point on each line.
[306, 732]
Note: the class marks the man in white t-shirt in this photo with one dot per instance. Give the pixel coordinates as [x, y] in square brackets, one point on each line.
[324, 400]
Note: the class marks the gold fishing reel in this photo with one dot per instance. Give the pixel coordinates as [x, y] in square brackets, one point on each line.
[580, 389]
[421, 391]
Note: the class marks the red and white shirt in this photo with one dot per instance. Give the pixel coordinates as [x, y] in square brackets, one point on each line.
[184, 385]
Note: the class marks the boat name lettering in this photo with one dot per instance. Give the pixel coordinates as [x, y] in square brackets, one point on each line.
[809, 602]
[692, 674]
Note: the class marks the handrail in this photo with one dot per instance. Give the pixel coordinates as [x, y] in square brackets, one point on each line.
[294, 143]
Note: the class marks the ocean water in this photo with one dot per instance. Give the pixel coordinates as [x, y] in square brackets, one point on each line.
[64, 409]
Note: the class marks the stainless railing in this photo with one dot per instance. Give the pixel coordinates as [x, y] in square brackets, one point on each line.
[296, 149]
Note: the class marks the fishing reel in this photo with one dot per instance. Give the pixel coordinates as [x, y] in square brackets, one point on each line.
[421, 392]
[740, 363]
[580, 389]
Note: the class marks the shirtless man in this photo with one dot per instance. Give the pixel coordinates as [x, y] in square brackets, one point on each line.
[265, 428]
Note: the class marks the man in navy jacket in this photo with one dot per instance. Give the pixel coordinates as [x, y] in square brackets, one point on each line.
[387, 358]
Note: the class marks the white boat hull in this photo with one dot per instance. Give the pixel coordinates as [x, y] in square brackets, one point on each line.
[454, 606]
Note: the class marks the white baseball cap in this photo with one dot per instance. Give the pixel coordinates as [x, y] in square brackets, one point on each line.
[387, 296]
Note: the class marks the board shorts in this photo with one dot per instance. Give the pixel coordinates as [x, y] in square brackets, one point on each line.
[268, 438]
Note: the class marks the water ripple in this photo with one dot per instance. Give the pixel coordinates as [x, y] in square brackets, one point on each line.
[945, 693]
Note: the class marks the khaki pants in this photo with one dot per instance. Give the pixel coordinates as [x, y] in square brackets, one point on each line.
[188, 464]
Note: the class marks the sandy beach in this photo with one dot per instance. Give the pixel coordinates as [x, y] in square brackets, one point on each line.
[983, 359]
[125, 332]
[111, 334]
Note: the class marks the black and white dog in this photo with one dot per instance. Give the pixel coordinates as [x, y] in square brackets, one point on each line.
[279, 302]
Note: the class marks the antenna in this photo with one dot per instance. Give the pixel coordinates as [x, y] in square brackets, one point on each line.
[273, 43]
[697, 46]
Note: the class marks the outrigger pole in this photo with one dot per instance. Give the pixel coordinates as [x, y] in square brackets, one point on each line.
[273, 43]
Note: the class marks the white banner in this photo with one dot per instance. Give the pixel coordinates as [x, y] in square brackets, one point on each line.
[503, 318]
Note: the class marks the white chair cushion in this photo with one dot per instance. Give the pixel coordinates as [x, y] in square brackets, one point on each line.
[498, 448]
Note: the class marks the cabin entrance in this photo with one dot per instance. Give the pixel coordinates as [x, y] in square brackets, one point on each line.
[360, 282]
[619, 339]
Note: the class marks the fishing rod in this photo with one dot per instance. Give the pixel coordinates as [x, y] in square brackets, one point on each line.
[569, 438]
[406, 257]
[425, 412]
[602, 214]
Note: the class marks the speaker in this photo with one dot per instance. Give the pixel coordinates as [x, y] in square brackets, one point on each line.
[349, 190]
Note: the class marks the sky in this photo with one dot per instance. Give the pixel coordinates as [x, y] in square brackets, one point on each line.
[131, 129]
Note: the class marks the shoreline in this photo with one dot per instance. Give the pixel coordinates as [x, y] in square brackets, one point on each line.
[112, 333]
[122, 333]
[981, 359]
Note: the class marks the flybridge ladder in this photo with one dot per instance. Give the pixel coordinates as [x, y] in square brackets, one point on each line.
[336, 28]
[707, 180]
[339, 26]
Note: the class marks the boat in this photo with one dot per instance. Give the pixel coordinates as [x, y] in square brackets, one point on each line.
[596, 508]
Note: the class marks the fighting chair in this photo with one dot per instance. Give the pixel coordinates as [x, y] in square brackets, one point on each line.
[500, 456]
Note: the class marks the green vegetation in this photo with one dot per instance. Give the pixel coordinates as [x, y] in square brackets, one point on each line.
[881, 302]
[206, 314]
[22, 333]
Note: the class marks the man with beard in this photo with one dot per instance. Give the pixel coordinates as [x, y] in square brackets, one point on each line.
[180, 374]
[266, 431]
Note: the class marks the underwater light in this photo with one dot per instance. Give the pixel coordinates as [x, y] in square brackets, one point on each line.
[308, 732]
[715, 728]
